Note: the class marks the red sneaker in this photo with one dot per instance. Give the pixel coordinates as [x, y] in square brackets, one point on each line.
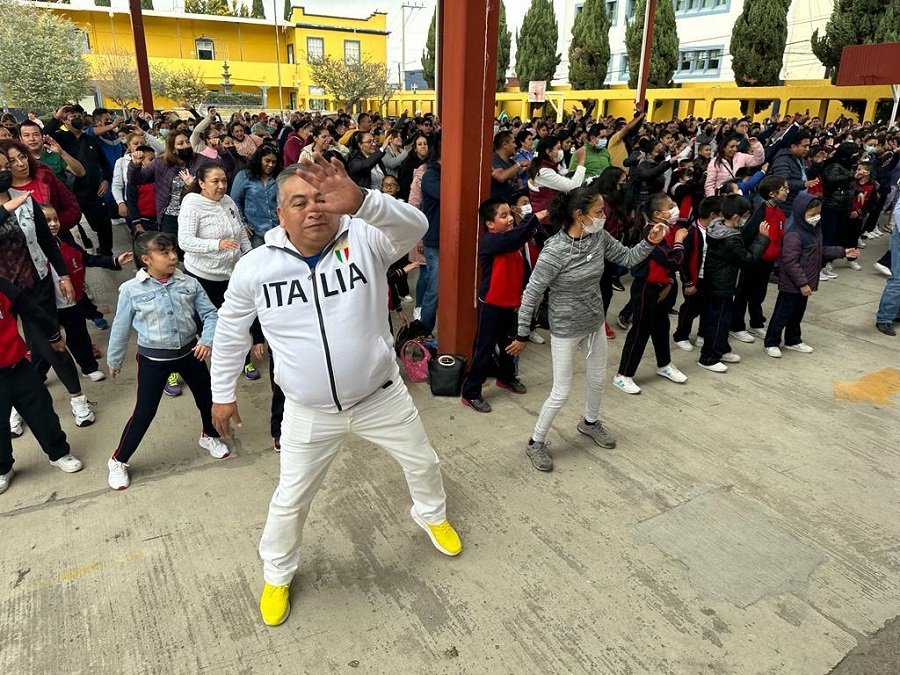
[610, 333]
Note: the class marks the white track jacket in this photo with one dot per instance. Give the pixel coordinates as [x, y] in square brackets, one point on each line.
[327, 327]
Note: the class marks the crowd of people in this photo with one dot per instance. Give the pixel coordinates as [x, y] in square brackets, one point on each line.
[258, 238]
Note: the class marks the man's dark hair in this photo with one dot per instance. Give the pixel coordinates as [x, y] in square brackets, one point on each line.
[501, 138]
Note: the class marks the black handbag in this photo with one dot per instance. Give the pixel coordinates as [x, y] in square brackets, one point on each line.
[445, 374]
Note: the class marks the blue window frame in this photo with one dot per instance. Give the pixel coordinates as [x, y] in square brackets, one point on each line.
[612, 8]
[699, 62]
[623, 67]
[691, 8]
[629, 9]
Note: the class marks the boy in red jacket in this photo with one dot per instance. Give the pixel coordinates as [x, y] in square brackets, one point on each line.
[503, 277]
[754, 282]
[21, 386]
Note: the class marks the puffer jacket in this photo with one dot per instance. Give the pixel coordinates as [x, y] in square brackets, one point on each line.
[802, 251]
[837, 186]
[726, 255]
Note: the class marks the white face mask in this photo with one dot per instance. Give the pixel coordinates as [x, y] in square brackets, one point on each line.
[814, 220]
[601, 143]
[560, 155]
[595, 225]
[674, 212]
[525, 210]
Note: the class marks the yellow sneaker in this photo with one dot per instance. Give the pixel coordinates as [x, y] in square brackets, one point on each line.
[275, 604]
[443, 536]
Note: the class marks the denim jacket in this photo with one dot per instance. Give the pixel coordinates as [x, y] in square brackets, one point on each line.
[256, 202]
[162, 315]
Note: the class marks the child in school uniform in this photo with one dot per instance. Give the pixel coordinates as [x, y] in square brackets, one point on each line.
[160, 303]
[692, 285]
[726, 255]
[504, 274]
[802, 256]
[21, 386]
[71, 318]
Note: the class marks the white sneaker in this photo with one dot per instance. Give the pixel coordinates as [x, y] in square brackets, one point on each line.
[823, 276]
[96, 376]
[16, 423]
[82, 412]
[884, 269]
[5, 480]
[757, 333]
[862, 244]
[417, 313]
[214, 446]
[672, 373]
[716, 367]
[730, 357]
[854, 265]
[742, 336]
[774, 352]
[407, 298]
[626, 384]
[536, 338]
[70, 463]
[685, 345]
[698, 343]
[118, 475]
[829, 270]
[876, 233]
[801, 347]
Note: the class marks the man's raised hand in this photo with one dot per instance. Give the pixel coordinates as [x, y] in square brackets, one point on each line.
[338, 192]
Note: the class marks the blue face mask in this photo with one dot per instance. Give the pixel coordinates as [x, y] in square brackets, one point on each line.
[601, 143]
[870, 149]
[163, 133]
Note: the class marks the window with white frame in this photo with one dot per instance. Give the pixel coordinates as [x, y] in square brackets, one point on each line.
[688, 7]
[205, 49]
[290, 53]
[351, 51]
[317, 103]
[83, 40]
[699, 62]
[629, 9]
[623, 69]
[315, 48]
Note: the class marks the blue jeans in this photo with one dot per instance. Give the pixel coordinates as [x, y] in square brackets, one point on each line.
[427, 288]
[889, 307]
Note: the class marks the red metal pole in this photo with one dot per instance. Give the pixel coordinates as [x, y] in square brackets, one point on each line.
[468, 73]
[640, 101]
[140, 55]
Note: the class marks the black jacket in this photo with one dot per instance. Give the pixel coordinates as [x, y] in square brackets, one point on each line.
[726, 255]
[360, 167]
[837, 188]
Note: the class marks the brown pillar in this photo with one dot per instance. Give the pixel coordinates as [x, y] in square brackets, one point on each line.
[140, 55]
[468, 63]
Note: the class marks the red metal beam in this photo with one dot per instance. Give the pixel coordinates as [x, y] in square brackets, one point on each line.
[468, 73]
[140, 55]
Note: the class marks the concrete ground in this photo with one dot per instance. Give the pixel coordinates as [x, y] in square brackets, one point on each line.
[746, 523]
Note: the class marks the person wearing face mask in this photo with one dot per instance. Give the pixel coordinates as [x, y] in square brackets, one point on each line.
[570, 267]
[726, 256]
[653, 294]
[649, 176]
[544, 181]
[596, 157]
[504, 273]
[802, 256]
[838, 196]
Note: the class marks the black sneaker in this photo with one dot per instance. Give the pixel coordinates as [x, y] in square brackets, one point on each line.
[886, 328]
[515, 386]
[539, 455]
[477, 404]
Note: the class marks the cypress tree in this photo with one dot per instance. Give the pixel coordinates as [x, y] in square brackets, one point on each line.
[147, 4]
[288, 10]
[889, 28]
[536, 57]
[757, 46]
[503, 47]
[589, 52]
[664, 50]
[258, 12]
[102, 3]
[428, 59]
[852, 22]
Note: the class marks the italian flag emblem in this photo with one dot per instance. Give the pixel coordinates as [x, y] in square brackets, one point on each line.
[342, 253]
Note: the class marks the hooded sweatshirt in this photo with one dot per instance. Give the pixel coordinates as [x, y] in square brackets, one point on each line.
[802, 252]
[726, 256]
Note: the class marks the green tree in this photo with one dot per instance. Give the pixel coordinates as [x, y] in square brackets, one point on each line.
[852, 22]
[115, 77]
[41, 62]
[351, 84]
[664, 50]
[889, 28]
[288, 10]
[147, 4]
[183, 85]
[103, 3]
[504, 41]
[536, 56]
[213, 7]
[428, 55]
[757, 47]
[258, 12]
[589, 51]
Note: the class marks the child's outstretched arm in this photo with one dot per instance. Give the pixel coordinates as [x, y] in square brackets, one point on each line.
[119, 332]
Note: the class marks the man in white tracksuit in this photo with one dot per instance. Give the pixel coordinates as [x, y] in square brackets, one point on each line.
[319, 289]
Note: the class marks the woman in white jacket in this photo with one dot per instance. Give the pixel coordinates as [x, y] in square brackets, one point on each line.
[544, 179]
[213, 236]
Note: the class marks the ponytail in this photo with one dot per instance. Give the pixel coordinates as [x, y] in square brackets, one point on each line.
[565, 204]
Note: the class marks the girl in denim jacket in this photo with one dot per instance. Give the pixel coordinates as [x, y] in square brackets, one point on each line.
[160, 303]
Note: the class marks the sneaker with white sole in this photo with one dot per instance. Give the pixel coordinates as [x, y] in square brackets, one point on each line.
[597, 432]
[5, 480]
[685, 345]
[68, 463]
[443, 537]
[730, 357]
[862, 244]
[626, 384]
[216, 448]
[96, 376]
[118, 475]
[757, 333]
[623, 323]
[536, 338]
[829, 271]
[801, 347]
[774, 352]
[82, 411]
[698, 343]
[16, 423]
[884, 269]
[823, 276]
[854, 265]
[742, 336]
[718, 367]
[670, 372]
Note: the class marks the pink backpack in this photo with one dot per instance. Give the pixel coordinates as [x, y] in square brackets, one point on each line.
[415, 188]
[415, 360]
